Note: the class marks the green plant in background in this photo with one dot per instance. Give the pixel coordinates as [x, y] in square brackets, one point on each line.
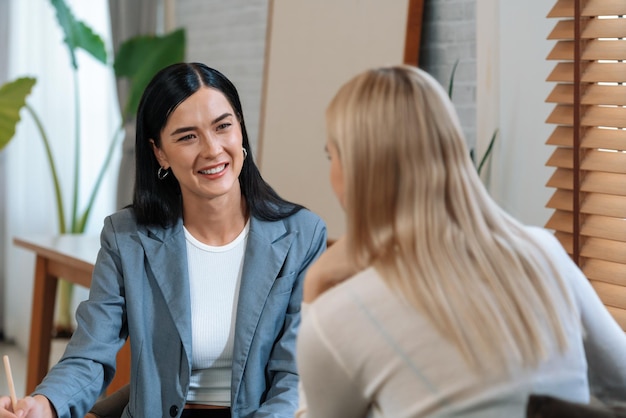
[138, 59]
[481, 164]
[483, 160]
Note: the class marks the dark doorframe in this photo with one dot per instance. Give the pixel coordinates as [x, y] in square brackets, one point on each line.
[413, 32]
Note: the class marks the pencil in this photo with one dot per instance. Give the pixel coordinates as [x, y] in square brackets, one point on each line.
[7, 369]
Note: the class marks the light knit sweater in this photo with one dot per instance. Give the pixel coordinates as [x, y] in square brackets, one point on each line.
[362, 351]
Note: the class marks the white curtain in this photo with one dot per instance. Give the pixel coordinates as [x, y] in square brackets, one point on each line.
[4, 47]
[129, 19]
[36, 49]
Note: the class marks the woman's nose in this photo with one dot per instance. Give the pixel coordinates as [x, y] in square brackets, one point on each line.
[209, 147]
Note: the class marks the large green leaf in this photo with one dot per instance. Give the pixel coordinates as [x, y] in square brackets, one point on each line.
[141, 57]
[12, 99]
[78, 34]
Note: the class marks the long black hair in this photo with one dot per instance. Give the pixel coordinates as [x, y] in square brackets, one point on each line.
[159, 202]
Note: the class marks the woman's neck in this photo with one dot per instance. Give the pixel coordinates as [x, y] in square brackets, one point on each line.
[216, 222]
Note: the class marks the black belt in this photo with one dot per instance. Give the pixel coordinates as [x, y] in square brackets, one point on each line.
[208, 413]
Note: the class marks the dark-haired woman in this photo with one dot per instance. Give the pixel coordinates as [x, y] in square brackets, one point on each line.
[203, 272]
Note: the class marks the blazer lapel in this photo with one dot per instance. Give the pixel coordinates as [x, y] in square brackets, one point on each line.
[267, 247]
[166, 255]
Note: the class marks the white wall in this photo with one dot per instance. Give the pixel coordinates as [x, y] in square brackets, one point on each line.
[512, 70]
[315, 47]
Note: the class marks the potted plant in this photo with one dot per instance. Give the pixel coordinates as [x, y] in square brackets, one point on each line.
[138, 59]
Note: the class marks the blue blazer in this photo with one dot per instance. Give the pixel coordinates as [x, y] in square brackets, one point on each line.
[140, 290]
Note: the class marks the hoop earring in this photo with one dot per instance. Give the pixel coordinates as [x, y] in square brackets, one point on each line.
[245, 153]
[162, 173]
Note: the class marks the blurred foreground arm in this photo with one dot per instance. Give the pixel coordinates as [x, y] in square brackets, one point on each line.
[111, 406]
[332, 268]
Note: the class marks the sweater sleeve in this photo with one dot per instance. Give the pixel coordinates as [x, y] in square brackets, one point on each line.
[605, 345]
[326, 387]
[604, 340]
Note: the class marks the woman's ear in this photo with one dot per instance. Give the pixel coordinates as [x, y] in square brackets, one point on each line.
[160, 156]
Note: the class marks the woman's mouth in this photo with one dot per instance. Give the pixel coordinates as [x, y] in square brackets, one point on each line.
[214, 170]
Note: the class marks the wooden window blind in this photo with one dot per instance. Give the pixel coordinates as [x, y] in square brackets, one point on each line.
[589, 202]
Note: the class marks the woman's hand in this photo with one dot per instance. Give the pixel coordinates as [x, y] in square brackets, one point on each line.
[37, 406]
[332, 268]
[6, 409]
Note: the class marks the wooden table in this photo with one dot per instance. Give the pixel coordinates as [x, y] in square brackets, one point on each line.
[72, 258]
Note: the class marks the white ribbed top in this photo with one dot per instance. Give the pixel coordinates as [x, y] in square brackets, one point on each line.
[214, 278]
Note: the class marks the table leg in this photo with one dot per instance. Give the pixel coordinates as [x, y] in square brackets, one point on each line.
[44, 295]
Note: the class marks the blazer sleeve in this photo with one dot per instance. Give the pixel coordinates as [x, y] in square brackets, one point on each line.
[88, 364]
[282, 396]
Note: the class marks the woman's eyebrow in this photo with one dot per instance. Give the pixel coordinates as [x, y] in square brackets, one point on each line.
[219, 118]
[182, 130]
[191, 128]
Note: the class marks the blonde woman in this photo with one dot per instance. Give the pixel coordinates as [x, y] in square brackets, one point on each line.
[437, 303]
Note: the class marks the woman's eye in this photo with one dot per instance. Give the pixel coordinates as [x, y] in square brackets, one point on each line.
[223, 126]
[186, 137]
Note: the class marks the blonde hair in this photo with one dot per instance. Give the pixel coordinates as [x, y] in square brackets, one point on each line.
[418, 212]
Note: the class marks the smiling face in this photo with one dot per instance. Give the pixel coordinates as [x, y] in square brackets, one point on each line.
[202, 144]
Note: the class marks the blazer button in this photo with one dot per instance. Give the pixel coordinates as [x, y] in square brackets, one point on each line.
[173, 411]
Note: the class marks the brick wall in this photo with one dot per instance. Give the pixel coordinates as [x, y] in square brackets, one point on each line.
[230, 37]
[448, 35]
